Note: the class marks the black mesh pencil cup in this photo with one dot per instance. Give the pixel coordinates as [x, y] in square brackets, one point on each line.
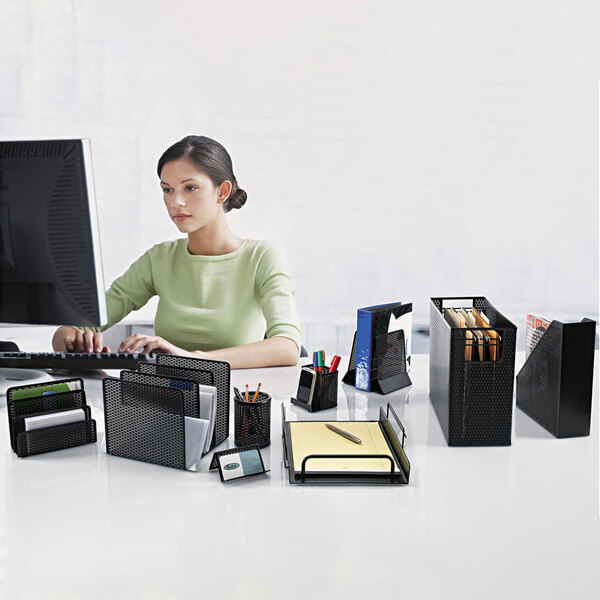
[324, 394]
[252, 420]
[471, 373]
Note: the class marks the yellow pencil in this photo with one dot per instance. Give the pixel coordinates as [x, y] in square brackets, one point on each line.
[256, 393]
[246, 395]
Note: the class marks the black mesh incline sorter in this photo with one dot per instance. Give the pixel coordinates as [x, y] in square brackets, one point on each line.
[313, 454]
[554, 386]
[144, 422]
[471, 386]
[221, 372]
[388, 363]
[27, 441]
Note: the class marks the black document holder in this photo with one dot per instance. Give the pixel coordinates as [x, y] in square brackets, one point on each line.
[396, 448]
[472, 399]
[144, 422]
[554, 386]
[49, 439]
[388, 363]
[221, 372]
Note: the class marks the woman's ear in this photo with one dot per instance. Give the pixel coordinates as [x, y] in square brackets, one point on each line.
[224, 191]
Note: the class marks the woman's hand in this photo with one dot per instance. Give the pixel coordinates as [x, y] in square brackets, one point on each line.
[150, 343]
[74, 340]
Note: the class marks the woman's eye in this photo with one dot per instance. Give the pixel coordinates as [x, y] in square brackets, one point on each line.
[166, 190]
[191, 188]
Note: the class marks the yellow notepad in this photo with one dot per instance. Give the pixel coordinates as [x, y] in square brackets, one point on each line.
[312, 437]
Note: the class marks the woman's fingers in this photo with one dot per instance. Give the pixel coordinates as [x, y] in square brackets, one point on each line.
[97, 342]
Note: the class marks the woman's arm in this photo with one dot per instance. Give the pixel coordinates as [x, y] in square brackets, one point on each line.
[277, 351]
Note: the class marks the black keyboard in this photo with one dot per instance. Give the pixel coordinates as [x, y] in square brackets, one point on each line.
[78, 361]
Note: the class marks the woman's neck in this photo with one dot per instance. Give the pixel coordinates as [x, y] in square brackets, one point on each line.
[214, 239]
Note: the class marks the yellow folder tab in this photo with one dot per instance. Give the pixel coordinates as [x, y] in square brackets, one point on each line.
[482, 321]
[313, 437]
[479, 341]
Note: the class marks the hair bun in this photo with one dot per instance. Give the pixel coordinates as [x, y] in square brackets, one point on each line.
[237, 199]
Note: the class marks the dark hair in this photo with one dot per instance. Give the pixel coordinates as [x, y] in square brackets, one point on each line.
[212, 159]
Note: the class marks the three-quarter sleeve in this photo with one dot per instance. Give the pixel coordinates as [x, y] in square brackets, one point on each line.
[129, 292]
[276, 294]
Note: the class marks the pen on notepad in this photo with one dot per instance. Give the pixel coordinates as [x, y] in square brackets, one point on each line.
[343, 433]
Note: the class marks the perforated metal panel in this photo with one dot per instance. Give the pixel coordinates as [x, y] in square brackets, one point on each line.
[189, 387]
[390, 354]
[144, 422]
[222, 376]
[59, 437]
[473, 400]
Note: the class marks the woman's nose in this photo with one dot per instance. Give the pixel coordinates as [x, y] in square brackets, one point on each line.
[178, 200]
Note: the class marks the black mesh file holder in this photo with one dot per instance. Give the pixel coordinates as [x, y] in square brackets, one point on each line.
[144, 422]
[221, 372]
[48, 439]
[388, 363]
[189, 387]
[325, 392]
[396, 455]
[472, 398]
[252, 420]
[554, 386]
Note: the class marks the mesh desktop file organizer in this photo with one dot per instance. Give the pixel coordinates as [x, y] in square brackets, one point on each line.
[48, 439]
[554, 386]
[472, 399]
[394, 435]
[144, 422]
[388, 363]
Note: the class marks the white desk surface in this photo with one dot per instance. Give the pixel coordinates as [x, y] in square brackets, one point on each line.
[486, 523]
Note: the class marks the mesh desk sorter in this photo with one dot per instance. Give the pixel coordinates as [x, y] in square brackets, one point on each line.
[48, 439]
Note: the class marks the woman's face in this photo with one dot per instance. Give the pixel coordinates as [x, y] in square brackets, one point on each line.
[190, 196]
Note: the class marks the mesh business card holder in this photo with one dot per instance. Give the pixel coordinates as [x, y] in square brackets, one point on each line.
[302, 471]
[472, 398]
[221, 378]
[388, 364]
[48, 439]
[554, 386]
[325, 391]
[144, 422]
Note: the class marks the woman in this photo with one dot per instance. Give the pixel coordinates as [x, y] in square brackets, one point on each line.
[216, 290]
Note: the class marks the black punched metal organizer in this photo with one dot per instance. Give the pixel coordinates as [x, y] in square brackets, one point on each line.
[144, 422]
[48, 439]
[472, 398]
[252, 420]
[325, 392]
[388, 363]
[554, 386]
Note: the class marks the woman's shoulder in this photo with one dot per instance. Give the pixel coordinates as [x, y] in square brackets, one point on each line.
[165, 249]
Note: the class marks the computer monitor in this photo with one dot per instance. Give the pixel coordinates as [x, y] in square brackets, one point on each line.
[50, 261]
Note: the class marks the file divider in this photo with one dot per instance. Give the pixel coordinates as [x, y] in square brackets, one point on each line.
[554, 386]
[472, 399]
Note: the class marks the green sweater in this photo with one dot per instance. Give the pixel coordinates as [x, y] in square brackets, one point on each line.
[209, 302]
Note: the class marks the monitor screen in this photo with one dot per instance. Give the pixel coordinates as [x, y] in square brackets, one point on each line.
[50, 261]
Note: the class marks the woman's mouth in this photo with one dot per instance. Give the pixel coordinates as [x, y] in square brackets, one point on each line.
[181, 217]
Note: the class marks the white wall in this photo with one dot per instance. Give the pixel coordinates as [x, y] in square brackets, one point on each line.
[397, 150]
